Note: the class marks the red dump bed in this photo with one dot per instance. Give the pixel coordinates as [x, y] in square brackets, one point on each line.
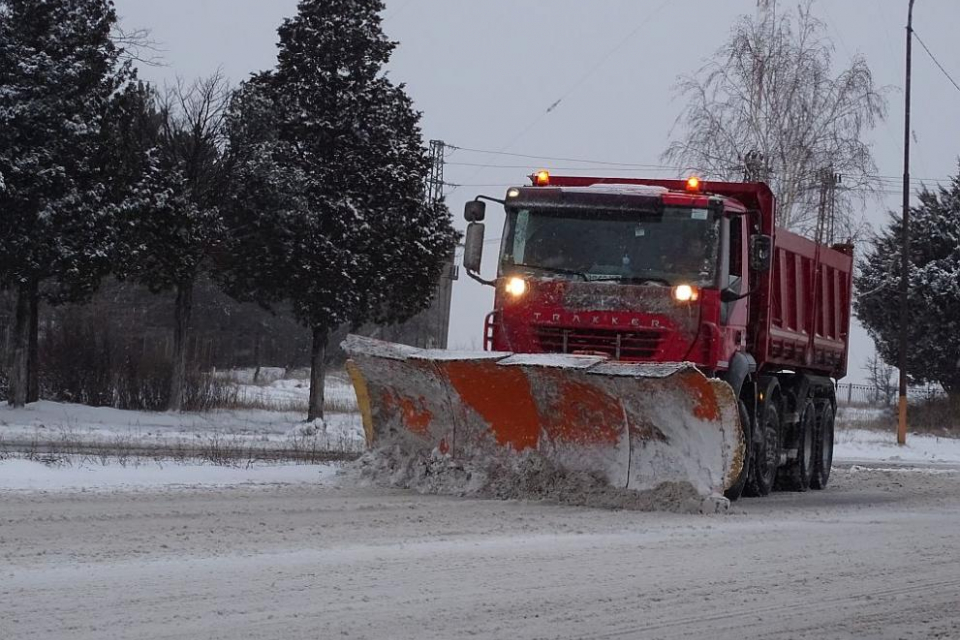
[803, 317]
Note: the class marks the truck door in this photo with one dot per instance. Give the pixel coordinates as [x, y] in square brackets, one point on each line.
[734, 315]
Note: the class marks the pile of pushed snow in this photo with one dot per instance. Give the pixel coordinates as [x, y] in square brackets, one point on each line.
[526, 476]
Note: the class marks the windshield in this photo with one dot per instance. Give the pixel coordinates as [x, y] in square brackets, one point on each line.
[677, 245]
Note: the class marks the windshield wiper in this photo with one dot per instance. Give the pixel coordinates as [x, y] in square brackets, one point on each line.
[632, 279]
[572, 272]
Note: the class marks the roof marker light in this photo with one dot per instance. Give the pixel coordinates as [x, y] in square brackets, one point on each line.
[541, 178]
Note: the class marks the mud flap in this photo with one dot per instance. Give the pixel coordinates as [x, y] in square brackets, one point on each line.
[635, 425]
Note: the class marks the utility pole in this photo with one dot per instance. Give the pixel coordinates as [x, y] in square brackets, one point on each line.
[823, 208]
[905, 248]
[833, 181]
[435, 181]
[826, 231]
[440, 309]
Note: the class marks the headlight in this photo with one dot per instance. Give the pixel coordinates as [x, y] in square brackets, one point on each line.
[685, 293]
[516, 287]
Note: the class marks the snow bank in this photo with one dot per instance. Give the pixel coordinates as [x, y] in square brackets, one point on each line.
[47, 421]
[26, 475]
[528, 476]
[864, 445]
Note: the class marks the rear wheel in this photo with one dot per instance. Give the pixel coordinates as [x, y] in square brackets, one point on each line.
[766, 452]
[823, 456]
[796, 475]
[747, 425]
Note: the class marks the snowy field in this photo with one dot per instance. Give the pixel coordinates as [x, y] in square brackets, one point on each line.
[278, 389]
[57, 427]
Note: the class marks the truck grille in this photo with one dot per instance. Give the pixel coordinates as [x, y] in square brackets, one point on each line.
[621, 345]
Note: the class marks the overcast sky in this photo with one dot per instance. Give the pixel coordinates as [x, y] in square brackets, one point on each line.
[485, 73]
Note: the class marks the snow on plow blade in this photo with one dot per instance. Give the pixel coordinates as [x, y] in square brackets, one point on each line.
[637, 425]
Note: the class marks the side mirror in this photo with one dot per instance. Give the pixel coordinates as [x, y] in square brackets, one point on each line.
[761, 252]
[729, 295]
[475, 211]
[473, 245]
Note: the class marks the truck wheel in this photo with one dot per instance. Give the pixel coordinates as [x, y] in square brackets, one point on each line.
[736, 489]
[796, 475]
[766, 452]
[823, 457]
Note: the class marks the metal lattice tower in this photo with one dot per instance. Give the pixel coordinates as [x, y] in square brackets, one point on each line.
[827, 208]
[435, 181]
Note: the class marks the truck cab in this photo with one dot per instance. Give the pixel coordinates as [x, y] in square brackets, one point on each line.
[634, 272]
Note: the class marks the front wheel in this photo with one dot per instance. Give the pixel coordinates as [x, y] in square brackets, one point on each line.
[747, 426]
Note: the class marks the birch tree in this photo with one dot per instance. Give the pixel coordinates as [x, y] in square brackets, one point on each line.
[769, 106]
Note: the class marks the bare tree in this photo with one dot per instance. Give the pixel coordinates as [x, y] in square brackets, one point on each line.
[880, 379]
[767, 106]
[177, 224]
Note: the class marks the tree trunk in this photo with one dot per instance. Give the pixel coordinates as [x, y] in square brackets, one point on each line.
[19, 374]
[256, 359]
[181, 313]
[33, 349]
[317, 371]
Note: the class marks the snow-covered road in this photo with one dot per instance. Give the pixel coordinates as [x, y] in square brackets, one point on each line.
[876, 556]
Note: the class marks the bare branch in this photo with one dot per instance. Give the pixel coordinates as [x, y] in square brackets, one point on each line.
[771, 90]
[136, 45]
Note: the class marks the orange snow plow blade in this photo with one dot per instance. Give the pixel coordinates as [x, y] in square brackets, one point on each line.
[636, 425]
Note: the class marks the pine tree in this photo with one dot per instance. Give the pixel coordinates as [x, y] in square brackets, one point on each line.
[60, 83]
[934, 289]
[358, 242]
[174, 224]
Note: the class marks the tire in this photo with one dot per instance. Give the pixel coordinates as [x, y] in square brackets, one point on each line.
[797, 474]
[736, 489]
[766, 452]
[823, 454]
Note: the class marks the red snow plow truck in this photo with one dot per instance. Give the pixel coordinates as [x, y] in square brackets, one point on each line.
[645, 331]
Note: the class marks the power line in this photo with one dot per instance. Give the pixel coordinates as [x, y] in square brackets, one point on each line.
[612, 166]
[622, 167]
[633, 165]
[556, 103]
[576, 85]
[935, 61]
[609, 54]
[560, 168]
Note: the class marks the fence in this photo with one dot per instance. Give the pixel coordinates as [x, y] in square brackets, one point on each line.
[866, 395]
